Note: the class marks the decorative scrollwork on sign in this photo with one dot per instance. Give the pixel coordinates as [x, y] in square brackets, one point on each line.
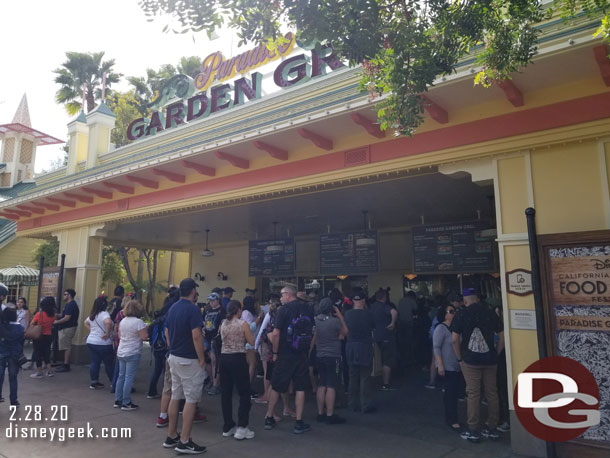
[181, 86]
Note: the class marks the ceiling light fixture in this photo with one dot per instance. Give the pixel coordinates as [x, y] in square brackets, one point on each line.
[206, 253]
[275, 247]
[366, 241]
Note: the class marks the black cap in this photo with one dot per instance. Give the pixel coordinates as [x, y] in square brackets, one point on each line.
[187, 285]
[228, 290]
[358, 294]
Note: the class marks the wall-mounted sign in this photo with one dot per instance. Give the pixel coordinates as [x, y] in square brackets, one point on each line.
[271, 258]
[349, 253]
[50, 281]
[576, 275]
[523, 319]
[210, 99]
[519, 282]
[453, 248]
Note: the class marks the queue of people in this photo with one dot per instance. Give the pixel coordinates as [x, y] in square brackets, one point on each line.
[346, 340]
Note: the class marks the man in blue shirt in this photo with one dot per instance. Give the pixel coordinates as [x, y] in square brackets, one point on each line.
[227, 295]
[186, 361]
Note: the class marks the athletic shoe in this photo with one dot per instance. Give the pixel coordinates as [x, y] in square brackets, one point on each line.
[261, 400]
[50, 373]
[37, 375]
[430, 386]
[504, 427]
[16, 403]
[199, 418]
[491, 434]
[153, 396]
[470, 436]
[244, 433]
[63, 368]
[190, 448]
[387, 388]
[230, 432]
[162, 422]
[96, 385]
[321, 418]
[171, 442]
[301, 427]
[130, 406]
[118, 404]
[1, 399]
[270, 422]
[215, 390]
[335, 419]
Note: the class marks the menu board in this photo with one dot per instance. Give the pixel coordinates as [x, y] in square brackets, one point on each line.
[349, 253]
[271, 257]
[453, 248]
[50, 281]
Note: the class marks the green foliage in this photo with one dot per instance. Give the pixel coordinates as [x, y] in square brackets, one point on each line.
[402, 45]
[146, 88]
[50, 251]
[126, 108]
[83, 70]
[112, 267]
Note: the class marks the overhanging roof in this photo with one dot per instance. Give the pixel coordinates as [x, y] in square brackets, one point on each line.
[43, 138]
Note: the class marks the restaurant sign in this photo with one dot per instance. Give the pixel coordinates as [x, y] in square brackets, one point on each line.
[200, 97]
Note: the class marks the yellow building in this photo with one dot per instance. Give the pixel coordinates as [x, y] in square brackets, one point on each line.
[311, 159]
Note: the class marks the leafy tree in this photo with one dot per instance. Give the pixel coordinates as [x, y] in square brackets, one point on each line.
[126, 107]
[112, 266]
[403, 45]
[147, 87]
[83, 70]
[50, 250]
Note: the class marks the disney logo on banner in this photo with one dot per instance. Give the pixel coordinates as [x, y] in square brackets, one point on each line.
[598, 264]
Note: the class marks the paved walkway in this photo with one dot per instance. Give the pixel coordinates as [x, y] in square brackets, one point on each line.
[408, 424]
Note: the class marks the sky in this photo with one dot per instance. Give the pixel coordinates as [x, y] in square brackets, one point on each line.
[35, 35]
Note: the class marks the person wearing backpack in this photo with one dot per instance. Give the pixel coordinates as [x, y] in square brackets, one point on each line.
[158, 347]
[291, 340]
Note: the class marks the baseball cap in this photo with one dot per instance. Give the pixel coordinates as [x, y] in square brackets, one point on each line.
[469, 292]
[213, 297]
[228, 289]
[187, 285]
[358, 294]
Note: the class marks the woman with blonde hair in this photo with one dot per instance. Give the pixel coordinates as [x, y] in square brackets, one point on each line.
[132, 332]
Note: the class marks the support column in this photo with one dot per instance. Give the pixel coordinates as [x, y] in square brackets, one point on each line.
[514, 193]
[83, 249]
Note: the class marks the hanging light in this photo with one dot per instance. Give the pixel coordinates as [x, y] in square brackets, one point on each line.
[206, 253]
[366, 241]
[275, 247]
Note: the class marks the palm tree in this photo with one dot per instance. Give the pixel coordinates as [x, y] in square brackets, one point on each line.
[83, 69]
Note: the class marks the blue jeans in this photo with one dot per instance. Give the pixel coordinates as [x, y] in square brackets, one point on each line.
[99, 354]
[13, 369]
[128, 365]
[160, 357]
[115, 375]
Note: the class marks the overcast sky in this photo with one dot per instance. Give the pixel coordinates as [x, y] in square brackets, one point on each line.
[35, 35]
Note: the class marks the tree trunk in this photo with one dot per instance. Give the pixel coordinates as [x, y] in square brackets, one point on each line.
[90, 100]
[124, 253]
[172, 268]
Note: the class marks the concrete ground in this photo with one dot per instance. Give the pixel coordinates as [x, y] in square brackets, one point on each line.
[409, 423]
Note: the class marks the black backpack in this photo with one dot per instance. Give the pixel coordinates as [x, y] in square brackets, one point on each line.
[156, 335]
